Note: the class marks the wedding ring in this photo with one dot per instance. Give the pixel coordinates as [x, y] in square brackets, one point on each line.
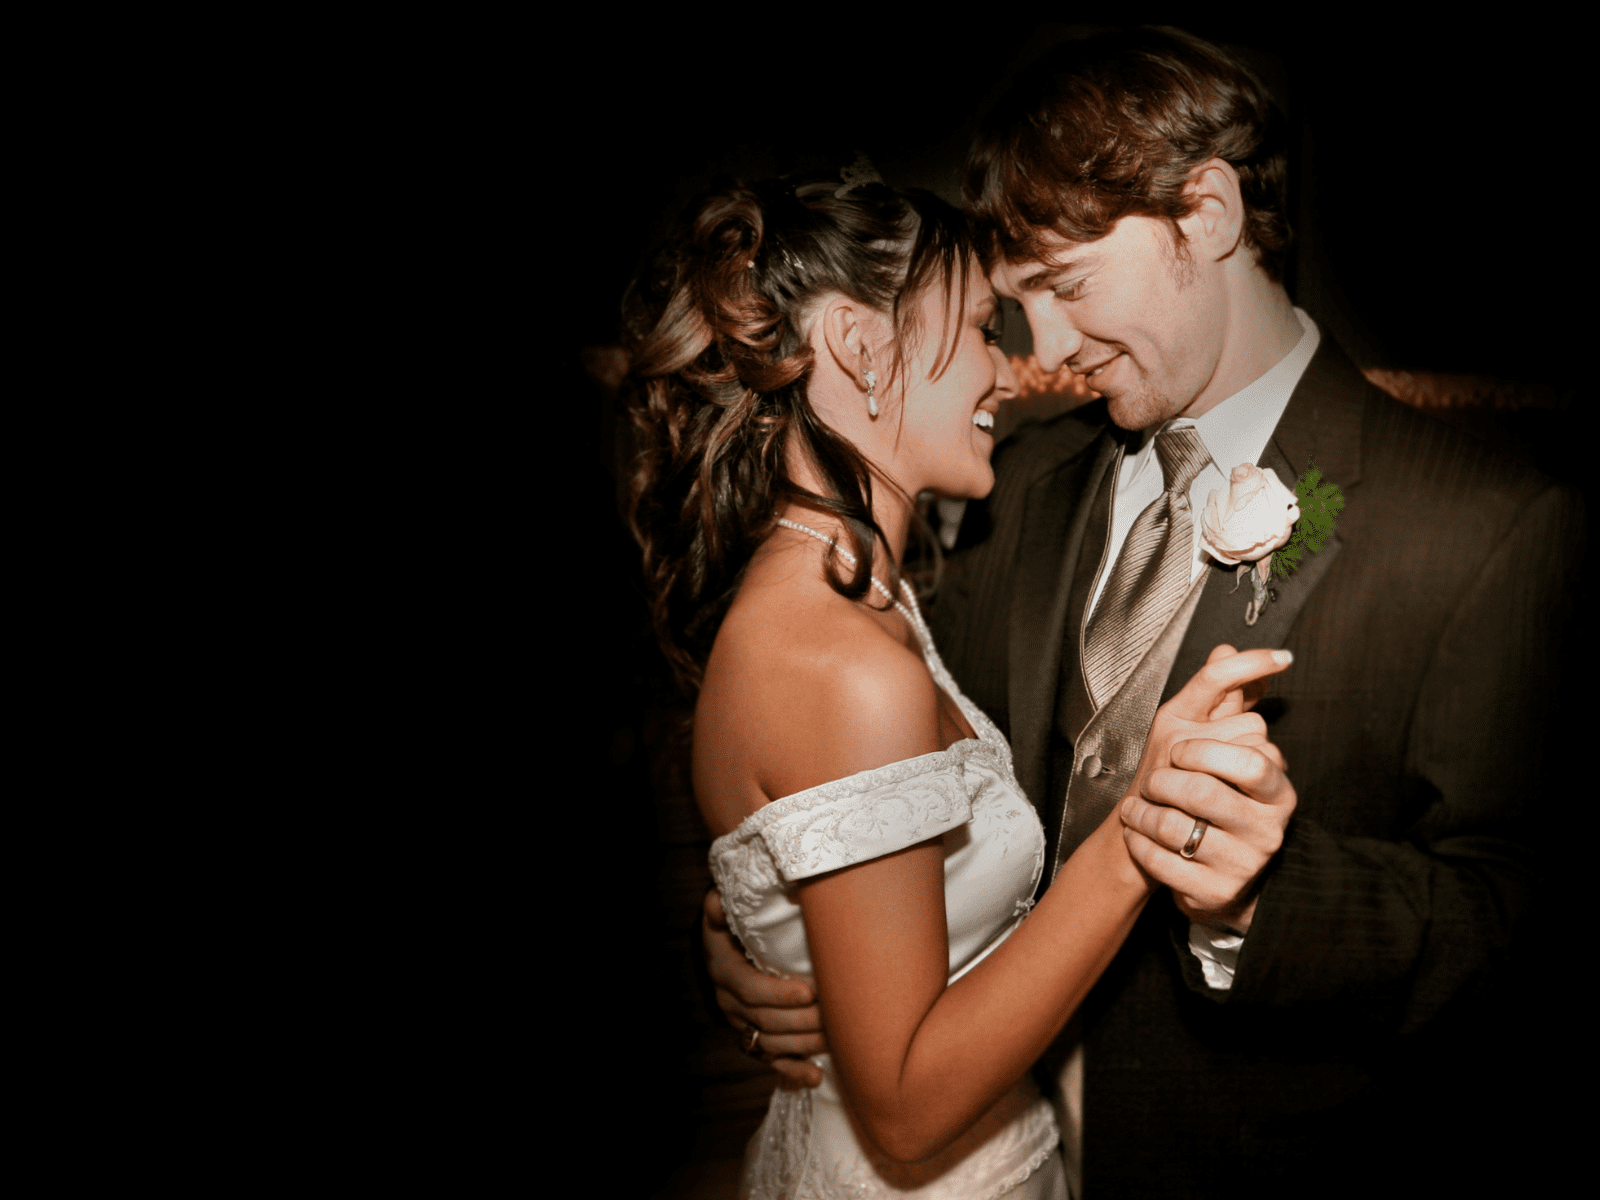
[752, 1038]
[1195, 834]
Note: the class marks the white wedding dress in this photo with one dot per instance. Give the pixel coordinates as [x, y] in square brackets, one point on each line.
[806, 1148]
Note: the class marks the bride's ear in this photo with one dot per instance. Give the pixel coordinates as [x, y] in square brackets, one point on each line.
[846, 333]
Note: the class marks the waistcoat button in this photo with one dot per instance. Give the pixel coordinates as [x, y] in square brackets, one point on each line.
[1091, 766]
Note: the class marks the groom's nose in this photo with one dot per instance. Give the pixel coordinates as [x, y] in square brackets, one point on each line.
[1054, 341]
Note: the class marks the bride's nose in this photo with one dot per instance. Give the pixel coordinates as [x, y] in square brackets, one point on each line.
[1005, 376]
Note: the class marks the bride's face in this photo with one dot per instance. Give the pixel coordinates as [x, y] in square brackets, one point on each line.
[954, 386]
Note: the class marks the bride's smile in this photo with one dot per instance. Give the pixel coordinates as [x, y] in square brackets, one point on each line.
[933, 429]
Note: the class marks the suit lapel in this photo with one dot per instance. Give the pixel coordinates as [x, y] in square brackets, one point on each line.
[1055, 521]
[1321, 424]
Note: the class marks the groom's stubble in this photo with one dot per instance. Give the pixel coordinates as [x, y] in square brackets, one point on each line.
[1143, 404]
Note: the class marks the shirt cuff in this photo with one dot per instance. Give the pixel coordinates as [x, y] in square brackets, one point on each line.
[1218, 953]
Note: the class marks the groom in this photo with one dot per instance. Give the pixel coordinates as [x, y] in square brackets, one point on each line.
[1286, 1036]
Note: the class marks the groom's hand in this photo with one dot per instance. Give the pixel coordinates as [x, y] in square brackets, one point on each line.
[1208, 760]
[780, 1015]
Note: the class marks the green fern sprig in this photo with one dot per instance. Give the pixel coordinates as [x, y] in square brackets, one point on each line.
[1320, 506]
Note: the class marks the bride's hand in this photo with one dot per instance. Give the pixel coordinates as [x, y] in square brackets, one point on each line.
[1210, 782]
[1240, 699]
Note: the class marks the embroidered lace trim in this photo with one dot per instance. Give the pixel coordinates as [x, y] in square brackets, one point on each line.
[929, 774]
[851, 820]
[777, 1160]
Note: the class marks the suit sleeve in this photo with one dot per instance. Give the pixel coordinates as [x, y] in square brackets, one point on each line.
[1390, 931]
[968, 621]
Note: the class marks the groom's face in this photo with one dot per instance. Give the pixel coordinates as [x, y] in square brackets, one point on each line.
[1130, 311]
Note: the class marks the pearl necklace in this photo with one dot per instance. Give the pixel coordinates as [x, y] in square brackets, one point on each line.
[912, 615]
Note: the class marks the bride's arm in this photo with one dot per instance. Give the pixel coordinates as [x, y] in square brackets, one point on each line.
[919, 1061]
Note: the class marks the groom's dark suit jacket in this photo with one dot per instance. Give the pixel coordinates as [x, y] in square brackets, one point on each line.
[1414, 721]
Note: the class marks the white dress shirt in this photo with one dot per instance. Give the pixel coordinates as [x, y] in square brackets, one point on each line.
[1235, 431]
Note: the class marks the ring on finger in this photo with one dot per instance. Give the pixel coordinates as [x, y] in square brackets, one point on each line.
[1195, 834]
[752, 1041]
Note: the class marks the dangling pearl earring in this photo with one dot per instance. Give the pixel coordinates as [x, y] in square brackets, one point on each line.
[872, 401]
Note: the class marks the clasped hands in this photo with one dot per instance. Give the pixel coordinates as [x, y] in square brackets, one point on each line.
[1207, 758]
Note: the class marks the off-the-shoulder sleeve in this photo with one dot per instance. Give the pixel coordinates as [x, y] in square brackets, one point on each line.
[849, 826]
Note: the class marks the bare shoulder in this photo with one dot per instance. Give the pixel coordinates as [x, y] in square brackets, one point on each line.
[803, 686]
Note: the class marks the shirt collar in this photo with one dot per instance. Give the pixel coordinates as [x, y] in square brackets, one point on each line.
[1237, 430]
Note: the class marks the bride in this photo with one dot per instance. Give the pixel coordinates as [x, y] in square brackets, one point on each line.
[807, 356]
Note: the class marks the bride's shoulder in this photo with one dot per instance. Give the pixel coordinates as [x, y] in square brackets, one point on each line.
[814, 643]
[803, 687]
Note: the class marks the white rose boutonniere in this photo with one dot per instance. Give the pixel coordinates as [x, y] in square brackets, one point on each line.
[1247, 525]
[1259, 523]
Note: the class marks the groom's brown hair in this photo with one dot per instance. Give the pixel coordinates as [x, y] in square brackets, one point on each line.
[1110, 127]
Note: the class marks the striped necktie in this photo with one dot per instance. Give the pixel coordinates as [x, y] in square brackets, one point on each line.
[1151, 574]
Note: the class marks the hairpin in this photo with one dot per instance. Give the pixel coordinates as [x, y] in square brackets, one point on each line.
[859, 172]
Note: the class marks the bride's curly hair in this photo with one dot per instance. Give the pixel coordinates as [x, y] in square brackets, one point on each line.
[716, 327]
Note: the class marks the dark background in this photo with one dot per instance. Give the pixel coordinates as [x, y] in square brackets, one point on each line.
[1437, 185]
[1435, 190]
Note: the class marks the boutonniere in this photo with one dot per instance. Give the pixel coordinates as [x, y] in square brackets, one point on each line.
[1265, 528]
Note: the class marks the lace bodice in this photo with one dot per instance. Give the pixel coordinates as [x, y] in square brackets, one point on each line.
[994, 854]
[994, 844]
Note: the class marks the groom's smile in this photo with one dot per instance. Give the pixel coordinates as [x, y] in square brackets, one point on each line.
[1094, 370]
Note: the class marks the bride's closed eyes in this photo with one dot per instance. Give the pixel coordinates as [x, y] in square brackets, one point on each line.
[993, 326]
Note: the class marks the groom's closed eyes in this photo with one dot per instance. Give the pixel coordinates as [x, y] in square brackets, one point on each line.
[1053, 276]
